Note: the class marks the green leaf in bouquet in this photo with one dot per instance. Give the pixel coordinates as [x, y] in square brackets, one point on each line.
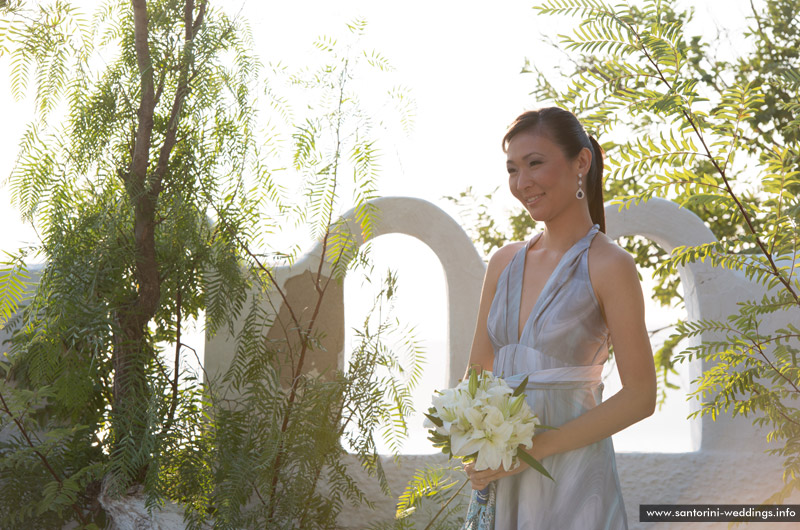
[521, 388]
[473, 382]
[470, 459]
[528, 459]
[440, 441]
[437, 437]
[444, 447]
[434, 419]
[516, 405]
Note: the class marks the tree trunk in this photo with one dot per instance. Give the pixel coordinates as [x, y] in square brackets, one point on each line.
[132, 351]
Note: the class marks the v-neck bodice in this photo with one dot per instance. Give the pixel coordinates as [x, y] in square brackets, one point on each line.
[565, 322]
[561, 351]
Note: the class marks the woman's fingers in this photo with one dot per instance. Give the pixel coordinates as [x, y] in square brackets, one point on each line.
[478, 483]
[481, 479]
[478, 479]
[469, 469]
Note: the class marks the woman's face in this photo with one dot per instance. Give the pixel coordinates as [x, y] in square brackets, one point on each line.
[541, 177]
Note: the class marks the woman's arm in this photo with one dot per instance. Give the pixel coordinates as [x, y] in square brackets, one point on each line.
[482, 352]
[620, 297]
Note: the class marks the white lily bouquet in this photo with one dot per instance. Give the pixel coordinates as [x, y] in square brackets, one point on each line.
[483, 420]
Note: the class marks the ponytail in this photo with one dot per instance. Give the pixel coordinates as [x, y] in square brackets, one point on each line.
[594, 186]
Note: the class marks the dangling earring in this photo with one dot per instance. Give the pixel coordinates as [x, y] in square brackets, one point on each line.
[579, 194]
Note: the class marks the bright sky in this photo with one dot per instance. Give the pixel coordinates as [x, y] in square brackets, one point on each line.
[461, 60]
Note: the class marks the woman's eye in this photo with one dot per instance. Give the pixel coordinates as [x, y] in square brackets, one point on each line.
[511, 171]
[535, 162]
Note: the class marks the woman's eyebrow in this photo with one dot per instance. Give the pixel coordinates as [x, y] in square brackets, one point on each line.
[532, 153]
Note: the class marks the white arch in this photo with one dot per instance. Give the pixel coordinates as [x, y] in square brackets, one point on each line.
[669, 226]
[463, 267]
[709, 293]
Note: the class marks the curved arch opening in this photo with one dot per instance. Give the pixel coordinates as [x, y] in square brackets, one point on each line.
[421, 303]
[666, 224]
[668, 430]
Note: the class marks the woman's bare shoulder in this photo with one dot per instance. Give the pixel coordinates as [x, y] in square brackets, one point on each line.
[501, 257]
[610, 263]
[606, 252]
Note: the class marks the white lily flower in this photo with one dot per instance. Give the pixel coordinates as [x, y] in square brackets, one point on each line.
[495, 449]
[465, 443]
[492, 424]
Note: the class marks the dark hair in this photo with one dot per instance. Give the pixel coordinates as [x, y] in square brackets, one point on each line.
[562, 127]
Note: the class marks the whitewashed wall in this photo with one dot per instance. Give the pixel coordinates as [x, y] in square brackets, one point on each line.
[728, 464]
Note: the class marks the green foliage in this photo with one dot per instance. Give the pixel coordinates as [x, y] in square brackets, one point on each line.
[72, 181]
[136, 251]
[708, 134]
[664, 364]
[428, 482]
[47, 486]
[269, 476]
[280, 432]
[13, 278]
[429, 489]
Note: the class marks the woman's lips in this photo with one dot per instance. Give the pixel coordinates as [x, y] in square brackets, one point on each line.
[533, 199]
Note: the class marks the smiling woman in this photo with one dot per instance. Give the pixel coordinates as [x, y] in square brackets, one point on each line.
[549, 309]
[552, 142]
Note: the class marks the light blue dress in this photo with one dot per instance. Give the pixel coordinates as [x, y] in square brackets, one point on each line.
[562, 351]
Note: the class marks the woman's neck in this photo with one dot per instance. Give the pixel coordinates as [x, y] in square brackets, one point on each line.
[561, 233]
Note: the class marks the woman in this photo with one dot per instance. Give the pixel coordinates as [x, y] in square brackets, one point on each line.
[549, 308]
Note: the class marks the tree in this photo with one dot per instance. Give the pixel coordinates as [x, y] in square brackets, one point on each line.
[153, 196]
[280, 440]
[114, 191]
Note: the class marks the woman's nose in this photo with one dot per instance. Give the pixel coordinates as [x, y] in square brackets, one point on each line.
[525, 179]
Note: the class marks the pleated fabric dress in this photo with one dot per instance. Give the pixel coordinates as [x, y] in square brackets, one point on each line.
[562, 350]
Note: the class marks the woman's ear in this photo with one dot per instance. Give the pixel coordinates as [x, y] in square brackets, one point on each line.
[584, 160]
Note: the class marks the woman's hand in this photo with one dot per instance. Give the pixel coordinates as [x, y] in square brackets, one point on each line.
[480, 479]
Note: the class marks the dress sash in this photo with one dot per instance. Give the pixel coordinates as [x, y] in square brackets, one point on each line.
[561, 377]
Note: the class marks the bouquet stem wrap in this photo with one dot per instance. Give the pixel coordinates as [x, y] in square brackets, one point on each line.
[481, 514]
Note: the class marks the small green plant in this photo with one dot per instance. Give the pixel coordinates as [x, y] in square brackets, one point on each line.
[430, 498]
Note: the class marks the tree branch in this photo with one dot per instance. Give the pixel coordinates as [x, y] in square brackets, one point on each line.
[774, 268]
[45, 463]
[320, 295]
[181, 91]
[144, 129]
[174, 404]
